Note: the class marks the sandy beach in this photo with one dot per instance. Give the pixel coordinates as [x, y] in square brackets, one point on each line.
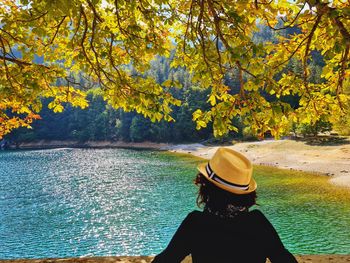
[330, 160]
[333, 161]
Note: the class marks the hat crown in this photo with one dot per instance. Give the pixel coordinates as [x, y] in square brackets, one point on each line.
[231, 166]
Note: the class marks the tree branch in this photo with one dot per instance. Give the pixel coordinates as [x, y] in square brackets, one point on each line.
[17, 61]
[307, 48]
[94, 11]
[57, 29]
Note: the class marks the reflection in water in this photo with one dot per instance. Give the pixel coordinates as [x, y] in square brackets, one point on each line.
[75, 202]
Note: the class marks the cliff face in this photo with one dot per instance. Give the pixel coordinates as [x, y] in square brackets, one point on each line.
[148, 259]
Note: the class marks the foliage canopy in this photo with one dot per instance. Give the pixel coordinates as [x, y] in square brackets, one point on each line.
[60, 49]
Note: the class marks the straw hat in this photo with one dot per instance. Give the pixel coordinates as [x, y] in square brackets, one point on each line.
[230, 171]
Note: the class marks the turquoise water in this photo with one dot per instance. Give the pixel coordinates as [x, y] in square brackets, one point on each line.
[84, 202]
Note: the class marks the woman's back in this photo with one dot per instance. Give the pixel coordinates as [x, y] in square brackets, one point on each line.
[226, 231]
[248, 237]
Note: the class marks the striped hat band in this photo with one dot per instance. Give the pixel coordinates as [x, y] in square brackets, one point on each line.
[220, 180]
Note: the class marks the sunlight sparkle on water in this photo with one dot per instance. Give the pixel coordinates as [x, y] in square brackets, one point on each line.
[78, 202]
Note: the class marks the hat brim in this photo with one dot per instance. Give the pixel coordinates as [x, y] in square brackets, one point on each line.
[252, 184]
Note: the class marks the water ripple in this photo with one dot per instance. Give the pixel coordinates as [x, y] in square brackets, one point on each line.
[78, 202]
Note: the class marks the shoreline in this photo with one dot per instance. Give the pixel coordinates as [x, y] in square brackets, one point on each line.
[44, 144]
[329, 160]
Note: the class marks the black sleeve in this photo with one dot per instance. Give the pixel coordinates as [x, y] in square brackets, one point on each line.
[180, 245]
[275, 248]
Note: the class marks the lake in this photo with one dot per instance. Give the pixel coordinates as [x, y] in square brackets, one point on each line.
[85, 202]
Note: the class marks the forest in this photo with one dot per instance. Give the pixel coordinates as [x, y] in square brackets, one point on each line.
[63, 54]
[253, 69]
[101, 122]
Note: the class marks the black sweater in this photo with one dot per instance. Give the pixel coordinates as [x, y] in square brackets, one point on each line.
[248, 237]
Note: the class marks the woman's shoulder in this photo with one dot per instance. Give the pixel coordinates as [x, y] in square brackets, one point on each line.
[257, 215]
[191, 219]
[195, 214]
[254, 216]
[254, 220]
[198, 214]
[260, 220]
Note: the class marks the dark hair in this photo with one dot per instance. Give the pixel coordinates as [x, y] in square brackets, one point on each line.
[218, 199]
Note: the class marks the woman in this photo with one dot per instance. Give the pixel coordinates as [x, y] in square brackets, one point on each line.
[226, 231]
